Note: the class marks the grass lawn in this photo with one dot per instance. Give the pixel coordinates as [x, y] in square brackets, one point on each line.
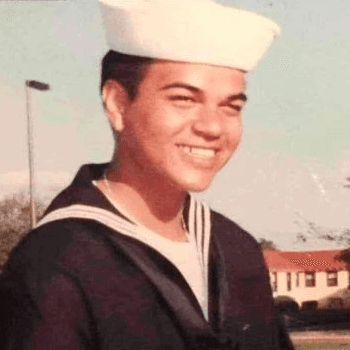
[323, 346]
[325, 340]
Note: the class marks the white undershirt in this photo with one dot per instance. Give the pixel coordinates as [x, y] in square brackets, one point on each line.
[183, 255]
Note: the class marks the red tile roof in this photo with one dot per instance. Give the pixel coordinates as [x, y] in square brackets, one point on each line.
[276, 262]
[318, 260]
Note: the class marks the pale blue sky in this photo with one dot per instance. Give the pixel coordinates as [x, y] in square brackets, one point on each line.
[295, 153]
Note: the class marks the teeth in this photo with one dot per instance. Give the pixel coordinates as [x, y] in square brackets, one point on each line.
[199, 152]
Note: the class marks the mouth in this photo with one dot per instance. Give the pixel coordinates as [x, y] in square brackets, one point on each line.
[199, 152]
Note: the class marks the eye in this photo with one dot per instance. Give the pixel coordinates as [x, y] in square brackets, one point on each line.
[182, 101]
[232, 109]
[181, 98]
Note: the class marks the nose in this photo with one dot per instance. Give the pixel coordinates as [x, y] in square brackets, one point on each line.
[208, 123]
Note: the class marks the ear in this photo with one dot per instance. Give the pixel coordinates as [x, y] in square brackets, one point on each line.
[115, 100]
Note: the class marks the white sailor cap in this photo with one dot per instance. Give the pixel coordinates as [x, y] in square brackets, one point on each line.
[198, 31]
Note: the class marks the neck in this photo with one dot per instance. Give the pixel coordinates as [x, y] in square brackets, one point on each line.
[155, 206]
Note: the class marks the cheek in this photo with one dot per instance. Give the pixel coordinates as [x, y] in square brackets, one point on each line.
[161, 125]
[234, 134]
[240, 132]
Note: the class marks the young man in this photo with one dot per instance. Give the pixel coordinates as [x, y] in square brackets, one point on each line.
[125, 257]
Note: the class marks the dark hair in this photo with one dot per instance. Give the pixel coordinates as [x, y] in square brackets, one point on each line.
[128, 70]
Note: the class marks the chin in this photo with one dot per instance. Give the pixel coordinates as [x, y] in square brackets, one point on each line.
[197, 184]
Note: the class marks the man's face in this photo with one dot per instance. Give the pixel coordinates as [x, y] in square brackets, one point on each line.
[183, 126]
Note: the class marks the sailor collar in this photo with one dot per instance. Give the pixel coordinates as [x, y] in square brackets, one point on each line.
[196, 215]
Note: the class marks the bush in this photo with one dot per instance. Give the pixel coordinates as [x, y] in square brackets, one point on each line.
[311, 305]
[14, 222]
[286, 304]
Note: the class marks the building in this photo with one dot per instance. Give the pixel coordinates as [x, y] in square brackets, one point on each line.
[313, 279]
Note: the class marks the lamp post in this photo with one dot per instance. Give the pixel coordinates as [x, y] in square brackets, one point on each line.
[37, 85]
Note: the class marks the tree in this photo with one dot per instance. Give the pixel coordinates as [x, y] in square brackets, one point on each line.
[14, 222]
[345, 256]
[340, 236]
[267, 245]
[312, 230]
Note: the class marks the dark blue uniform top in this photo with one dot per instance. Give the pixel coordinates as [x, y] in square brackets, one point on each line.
[78, 284]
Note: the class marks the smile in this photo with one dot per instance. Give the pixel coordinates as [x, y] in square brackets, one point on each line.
[198, 152]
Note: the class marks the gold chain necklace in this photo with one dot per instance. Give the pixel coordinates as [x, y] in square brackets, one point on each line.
[110, 196]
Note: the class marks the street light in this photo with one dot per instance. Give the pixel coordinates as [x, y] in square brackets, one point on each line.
[37, 85]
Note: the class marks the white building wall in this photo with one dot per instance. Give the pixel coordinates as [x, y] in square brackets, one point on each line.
[343, 279]
[303, 293]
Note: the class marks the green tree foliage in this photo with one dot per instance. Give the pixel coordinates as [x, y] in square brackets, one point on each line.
[340, 236]
[345, 256]
[311, 230]
[14, 222]
[267, 245]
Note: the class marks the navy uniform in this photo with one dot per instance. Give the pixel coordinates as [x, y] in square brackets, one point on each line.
[82, 281]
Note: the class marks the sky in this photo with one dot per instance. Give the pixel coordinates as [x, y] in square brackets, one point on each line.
[294, 159]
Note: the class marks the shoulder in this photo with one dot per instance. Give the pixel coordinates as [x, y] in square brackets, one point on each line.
[60, 244]
[240, 248]
[67, 255]
[226, 229]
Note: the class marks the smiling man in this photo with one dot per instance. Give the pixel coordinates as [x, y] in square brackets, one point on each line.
[126, 257]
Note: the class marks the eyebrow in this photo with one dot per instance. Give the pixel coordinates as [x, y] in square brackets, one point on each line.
[243, 97]
[181, 85]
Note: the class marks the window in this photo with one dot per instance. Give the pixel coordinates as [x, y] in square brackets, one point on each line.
[332, 278]
[310, 279]
[274, 281]
[297, 282]
[289, 281]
